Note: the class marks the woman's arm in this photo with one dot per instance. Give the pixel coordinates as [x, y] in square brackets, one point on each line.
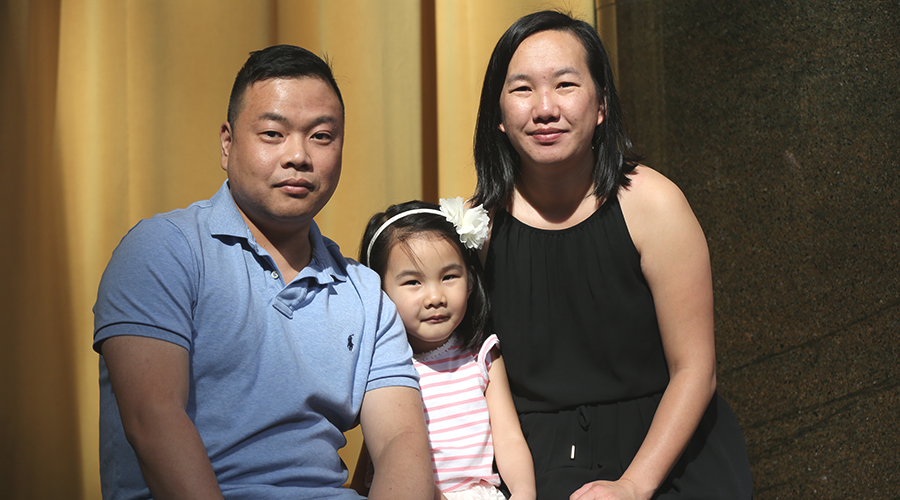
[675, 262]
[510, 449]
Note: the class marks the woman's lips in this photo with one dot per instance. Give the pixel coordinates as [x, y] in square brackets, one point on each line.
[547, 135]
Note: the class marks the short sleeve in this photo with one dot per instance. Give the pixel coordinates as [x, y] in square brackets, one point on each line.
[484, 355]
[149, 286]
[392, 359]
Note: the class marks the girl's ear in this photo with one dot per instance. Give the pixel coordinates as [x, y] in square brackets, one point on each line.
[470, 283]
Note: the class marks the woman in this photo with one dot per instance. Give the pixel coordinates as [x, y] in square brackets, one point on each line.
[600, 283]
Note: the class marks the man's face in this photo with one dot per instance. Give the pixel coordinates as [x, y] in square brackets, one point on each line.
[283, 153]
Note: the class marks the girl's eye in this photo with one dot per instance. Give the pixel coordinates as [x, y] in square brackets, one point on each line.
[410, 283]
[451, 277]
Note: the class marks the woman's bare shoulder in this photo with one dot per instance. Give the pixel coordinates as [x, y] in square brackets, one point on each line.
[653, 204]
[650, 187]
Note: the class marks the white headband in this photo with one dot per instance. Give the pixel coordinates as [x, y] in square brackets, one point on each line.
[471, 223]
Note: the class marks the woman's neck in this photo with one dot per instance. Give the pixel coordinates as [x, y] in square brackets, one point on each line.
[550, 198]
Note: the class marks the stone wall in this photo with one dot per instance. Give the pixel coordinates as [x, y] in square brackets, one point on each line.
[780, 121]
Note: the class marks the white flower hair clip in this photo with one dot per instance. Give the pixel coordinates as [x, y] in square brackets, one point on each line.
[471, 224]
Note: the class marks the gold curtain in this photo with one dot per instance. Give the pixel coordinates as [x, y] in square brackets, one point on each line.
[109, 113]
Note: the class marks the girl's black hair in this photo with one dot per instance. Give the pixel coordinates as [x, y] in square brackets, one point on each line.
[475, 321]
[497, 162]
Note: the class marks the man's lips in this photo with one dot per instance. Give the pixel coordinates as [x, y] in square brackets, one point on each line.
[295, 186]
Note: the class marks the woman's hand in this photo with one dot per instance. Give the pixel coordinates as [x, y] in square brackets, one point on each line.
[623, 489]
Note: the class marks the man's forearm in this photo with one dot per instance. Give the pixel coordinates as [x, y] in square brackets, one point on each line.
[404, 469]
[172, 457]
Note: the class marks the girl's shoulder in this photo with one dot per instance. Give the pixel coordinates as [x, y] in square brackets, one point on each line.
[487, 353]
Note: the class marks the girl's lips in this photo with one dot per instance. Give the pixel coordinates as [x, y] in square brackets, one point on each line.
[436, 319]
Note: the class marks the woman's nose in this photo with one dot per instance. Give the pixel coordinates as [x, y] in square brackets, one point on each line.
[546, 109]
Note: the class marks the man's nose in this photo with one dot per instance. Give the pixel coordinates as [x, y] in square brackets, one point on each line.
[296, 154]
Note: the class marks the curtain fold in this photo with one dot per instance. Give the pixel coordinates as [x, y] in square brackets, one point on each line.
[111, 111]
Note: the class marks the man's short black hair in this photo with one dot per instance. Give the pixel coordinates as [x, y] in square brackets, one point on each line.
[278, 61]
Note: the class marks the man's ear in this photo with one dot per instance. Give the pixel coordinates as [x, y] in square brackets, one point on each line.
[226, 138]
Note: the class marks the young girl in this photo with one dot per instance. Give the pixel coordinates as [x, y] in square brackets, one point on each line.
[426, 257]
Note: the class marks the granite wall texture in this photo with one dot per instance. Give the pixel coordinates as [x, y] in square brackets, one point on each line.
[781, 123]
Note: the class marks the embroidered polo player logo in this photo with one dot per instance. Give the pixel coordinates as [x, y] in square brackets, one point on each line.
[350, 342]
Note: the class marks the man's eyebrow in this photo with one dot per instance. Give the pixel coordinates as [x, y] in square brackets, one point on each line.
[275, 117]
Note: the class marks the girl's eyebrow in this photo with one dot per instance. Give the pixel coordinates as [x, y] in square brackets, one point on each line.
[412, 273]
[452, 267]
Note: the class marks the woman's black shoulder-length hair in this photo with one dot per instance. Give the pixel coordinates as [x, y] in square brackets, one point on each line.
[497, 163]
[476, 320]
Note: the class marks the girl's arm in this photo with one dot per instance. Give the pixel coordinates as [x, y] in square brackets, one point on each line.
[510, 449]
[675, 262]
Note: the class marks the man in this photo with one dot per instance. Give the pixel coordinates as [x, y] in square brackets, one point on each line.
[236, 343]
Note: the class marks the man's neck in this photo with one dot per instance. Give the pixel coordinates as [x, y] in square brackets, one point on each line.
[290, 248]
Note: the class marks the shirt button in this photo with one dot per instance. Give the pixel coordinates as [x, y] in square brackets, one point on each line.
[274, 275]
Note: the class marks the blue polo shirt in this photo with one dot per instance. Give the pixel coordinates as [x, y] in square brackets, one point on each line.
[277, 372]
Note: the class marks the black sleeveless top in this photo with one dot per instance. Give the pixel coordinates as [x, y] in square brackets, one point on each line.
[579, 335]
[573, 312]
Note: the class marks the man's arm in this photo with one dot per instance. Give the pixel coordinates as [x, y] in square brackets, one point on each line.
[149, 378]
[393, 425]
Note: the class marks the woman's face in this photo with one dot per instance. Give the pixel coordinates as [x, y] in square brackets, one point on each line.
[549, 102]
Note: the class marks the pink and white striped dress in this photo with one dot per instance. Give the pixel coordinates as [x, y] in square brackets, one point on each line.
[453, 381]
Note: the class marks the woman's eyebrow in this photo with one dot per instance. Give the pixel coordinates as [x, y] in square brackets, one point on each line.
[556, 74]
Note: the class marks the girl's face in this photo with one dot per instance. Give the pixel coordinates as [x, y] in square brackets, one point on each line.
[549, 102]
[427, 279]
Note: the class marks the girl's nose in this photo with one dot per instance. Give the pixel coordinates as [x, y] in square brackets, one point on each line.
[434, 297]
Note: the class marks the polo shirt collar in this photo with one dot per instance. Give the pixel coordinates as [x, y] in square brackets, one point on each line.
[326, 264]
